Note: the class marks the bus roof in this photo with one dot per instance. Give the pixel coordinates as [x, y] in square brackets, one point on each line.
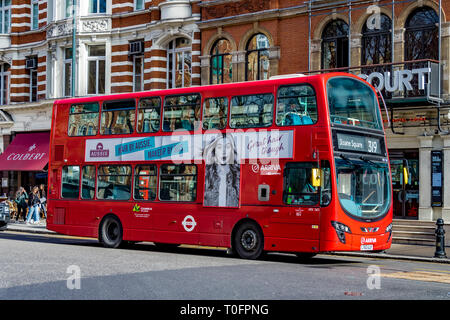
[280, 79]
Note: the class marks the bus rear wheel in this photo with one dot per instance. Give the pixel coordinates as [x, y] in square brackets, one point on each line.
[111, 233]
[248, 241]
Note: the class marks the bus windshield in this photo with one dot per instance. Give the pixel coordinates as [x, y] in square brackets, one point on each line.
[363, 187]
[351, 102]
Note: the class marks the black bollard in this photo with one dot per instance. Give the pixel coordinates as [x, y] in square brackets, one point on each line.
[440, 239]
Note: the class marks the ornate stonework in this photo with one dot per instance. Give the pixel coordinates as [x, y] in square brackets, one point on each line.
[97, 25]
[235, 8]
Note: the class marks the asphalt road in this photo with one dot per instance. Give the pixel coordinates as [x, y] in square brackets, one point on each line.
[63, 268]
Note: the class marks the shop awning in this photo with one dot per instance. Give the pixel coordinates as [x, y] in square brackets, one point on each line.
[27, 152]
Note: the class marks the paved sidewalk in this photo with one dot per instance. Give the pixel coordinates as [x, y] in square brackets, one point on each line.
[397, 251]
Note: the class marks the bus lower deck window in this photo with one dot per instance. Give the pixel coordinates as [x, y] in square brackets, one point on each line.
[145, 180]
[298, 189]
[114, 182]
[70, 182]
[178, 182]
[88, 182]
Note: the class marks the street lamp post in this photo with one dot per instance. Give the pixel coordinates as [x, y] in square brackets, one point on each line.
[74, 50]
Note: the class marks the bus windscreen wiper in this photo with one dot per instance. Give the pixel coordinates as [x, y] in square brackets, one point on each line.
[370, 161]
[348, 160]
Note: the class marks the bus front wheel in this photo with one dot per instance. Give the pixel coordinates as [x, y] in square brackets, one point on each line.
[111, 232]
[249, 241]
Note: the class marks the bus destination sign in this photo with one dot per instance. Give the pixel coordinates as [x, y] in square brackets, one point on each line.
[358, 143]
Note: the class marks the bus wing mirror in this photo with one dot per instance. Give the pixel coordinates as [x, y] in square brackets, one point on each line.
[315, 177]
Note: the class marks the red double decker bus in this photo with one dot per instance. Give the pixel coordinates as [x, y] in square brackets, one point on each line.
[296, 164]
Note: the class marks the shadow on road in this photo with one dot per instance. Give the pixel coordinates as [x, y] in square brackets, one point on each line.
[317, 261]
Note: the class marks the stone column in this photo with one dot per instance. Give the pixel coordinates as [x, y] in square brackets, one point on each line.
[238, 60]
[399, 43]
[205, 69]
[425, 209]
[446, 178]
[274, 58]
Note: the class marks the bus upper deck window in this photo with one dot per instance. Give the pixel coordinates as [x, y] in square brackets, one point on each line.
[118, 117]
[353, 103]
[83, 119]
[149, 114]
[296, 105]
[251, 111]
[181, 112]
[215, 113]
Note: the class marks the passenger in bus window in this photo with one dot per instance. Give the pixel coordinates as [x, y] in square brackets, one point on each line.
[186, 120]
[292, 116]
[222, 172]
[169, 123]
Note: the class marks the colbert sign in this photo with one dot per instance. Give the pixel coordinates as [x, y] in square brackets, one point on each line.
[30, 155]
[27, 152]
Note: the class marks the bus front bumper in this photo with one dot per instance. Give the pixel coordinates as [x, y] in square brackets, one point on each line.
[358, 242]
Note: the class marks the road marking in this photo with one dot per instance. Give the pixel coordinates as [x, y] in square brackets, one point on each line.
[434, 270]
[419, 276]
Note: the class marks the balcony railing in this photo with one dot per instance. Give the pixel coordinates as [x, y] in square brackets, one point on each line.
[400, 83]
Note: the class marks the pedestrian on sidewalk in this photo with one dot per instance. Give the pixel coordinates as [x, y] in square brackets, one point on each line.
[43, 198]
[22, 203]
[35, 202]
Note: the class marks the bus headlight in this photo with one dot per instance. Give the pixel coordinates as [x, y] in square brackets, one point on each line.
[341, 230]
[389, 229]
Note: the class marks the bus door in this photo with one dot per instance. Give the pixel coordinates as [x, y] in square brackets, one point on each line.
[300, 214]
[221, 194]
[176, 221]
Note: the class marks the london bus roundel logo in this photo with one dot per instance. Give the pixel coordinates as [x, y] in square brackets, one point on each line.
[189, 223]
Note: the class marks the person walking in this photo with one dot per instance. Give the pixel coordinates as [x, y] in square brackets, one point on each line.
[22, 203]
[43, 198]
[34, 206]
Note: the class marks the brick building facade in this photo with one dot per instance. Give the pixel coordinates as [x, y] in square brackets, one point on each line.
[121, 46]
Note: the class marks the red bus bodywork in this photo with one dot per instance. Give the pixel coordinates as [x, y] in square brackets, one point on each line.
[286, 228]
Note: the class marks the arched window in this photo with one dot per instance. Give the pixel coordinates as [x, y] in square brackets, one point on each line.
[421, 35]
[377, 41]
[335, 45]
[179, 63]
[257, 58]
[221, 66]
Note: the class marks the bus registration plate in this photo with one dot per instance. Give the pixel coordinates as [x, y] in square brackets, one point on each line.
[366, 247]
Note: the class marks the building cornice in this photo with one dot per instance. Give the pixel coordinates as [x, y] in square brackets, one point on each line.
[254, 16]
